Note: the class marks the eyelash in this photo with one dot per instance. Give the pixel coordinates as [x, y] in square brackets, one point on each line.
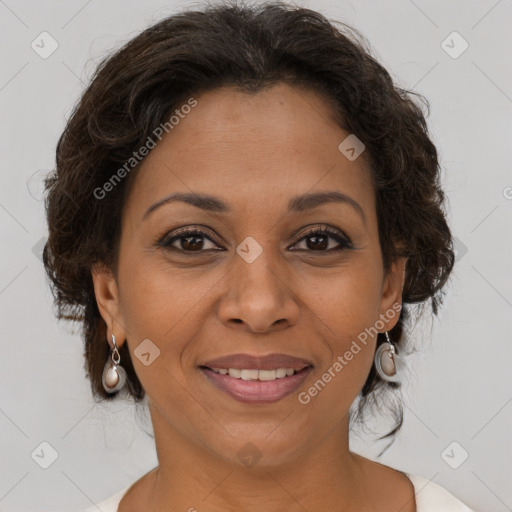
[344, 242]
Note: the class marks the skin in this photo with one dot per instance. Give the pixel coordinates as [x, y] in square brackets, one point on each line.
[254, 152]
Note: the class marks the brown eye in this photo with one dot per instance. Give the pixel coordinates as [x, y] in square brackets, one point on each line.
[191, 242]
[318, 240]
[188, 240]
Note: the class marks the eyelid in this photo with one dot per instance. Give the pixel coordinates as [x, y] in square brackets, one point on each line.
[335, 233]
[344, 242]
[165, 240]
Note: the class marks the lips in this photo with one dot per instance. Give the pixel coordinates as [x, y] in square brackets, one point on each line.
[257, 379]
[266, 362]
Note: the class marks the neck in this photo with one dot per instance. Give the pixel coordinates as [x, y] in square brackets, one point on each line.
[325, 475]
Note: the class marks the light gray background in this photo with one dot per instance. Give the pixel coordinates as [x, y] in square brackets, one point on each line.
[459, 386]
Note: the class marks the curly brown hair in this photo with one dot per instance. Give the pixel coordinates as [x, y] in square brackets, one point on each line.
[135, 89]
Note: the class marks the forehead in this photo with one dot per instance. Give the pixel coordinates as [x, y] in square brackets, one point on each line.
[259, 147]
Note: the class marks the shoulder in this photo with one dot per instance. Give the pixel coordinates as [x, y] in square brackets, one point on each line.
[431, 497]
[110, 504]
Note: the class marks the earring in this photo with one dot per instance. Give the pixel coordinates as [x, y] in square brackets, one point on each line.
[114, 375]
[387, 362]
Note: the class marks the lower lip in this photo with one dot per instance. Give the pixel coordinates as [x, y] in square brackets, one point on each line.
[257, 391]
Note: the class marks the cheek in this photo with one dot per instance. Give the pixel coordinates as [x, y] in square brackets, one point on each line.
[347, 313]
[346, 299]
[152, 295]
[346, 305]
[163, 305]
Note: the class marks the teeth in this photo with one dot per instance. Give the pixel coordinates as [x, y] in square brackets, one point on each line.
[244, 374]
[267, 375]
[281, 372]
[248, 374]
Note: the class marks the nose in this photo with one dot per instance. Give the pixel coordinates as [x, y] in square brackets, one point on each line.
[260, 297]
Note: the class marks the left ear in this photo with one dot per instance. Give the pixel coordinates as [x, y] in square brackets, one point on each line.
[391, 295]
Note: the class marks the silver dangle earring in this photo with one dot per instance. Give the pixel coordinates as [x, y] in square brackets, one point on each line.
[387, 362]
[114, 375]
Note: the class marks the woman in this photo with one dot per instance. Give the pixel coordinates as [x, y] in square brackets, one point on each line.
[243, 205]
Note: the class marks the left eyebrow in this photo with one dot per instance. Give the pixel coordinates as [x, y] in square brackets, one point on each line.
[310, 201]
[297, 204]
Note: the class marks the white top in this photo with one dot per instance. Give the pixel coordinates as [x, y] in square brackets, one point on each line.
[430, 497]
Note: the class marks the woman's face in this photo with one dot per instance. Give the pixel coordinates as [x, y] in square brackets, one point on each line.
[252, 281]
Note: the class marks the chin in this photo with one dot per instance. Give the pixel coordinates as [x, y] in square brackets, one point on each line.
[251, 450]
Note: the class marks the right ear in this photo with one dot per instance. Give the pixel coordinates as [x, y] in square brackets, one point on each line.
[107, 298]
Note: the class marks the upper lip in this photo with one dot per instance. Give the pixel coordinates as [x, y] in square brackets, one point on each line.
[260, 362]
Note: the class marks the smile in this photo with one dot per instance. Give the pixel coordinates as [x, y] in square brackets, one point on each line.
[278, 373]
[256, 386]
